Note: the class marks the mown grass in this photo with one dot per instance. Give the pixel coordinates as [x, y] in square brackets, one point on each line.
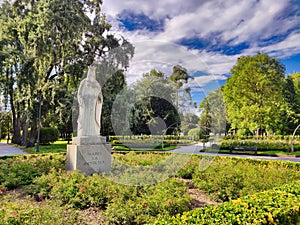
[56, 147]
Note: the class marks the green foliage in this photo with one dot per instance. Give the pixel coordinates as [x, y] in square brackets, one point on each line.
[59, 193]
[213, 112]
[261, 145]
[164, 199]
[45, 48]
[72, 188]
[227, 179]
[56, 147]
[145, 159]
[279, 206]
[254, 94]
[20, 212]
[122, 204]
[189, 122]
[19, 171]
[177, 78]
[196, 134]
[48, 135]
[152, 106]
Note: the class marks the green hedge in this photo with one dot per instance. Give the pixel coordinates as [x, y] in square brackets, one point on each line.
[262, 145]
[270, 137]
[279, 206]
[48, 135]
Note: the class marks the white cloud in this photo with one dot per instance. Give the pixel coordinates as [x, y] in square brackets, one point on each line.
[231, 22]
[163, 56]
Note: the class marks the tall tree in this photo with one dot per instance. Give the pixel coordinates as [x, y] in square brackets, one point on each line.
[189, 122]
[205, 120]
[213, 108]
[154, 99]
[178, 78]
[254, 94]
[45, 41]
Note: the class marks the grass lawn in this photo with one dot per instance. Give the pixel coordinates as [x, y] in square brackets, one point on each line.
[121, 148]
[56, 147]
[61, 146]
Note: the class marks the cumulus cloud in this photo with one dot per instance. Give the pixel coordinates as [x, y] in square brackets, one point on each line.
[268, 26]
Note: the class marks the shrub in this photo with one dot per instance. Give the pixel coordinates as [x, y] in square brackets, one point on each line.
[281, 206]
[230, 178]
[21, 170]
[21, 212]
[196, 134]
[164, 199]
[48, 135]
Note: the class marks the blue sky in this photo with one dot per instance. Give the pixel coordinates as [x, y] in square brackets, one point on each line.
[205, 36]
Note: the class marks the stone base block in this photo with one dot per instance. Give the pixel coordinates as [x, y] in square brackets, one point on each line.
[89, 159]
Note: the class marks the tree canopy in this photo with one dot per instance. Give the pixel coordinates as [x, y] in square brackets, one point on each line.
[45, 47]
[254, 94]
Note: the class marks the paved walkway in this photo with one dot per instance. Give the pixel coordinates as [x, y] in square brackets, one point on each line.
[6, 149]
[195, 149]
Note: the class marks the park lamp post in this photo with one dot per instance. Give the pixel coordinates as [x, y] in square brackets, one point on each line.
[39, 100]
[292, 141]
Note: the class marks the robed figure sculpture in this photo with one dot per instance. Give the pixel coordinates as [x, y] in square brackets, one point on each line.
[90, 101]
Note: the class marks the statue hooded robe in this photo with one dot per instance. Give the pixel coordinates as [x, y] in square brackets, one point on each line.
[90, 101]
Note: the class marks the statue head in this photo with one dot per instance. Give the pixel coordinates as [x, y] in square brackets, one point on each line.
[91, 74]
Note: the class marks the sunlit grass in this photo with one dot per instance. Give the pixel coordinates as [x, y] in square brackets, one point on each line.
[56, 147]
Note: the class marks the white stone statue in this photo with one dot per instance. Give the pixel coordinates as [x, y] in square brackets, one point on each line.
[90, 101]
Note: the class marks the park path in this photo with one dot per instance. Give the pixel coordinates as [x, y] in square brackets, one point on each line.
[195, 149]
[6, 150]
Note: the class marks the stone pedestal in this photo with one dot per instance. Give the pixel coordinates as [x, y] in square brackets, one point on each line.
[89, 155]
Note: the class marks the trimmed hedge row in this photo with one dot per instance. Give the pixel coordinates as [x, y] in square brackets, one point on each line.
[48, 135]
[145, 137]
[278, 206]
[268, 138]
[261, 145]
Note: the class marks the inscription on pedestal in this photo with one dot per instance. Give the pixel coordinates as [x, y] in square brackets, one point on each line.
[89, 158]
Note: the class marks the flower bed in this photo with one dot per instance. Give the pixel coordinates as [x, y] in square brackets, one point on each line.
[252, 191]
[280, 206]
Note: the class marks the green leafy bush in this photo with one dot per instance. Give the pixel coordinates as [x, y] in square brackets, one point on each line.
[196, 134]
[48, 135]
[21, 212]
[164, 199]
[122, 204]
[262, 145]
[21, 170]
[231, 178]
[280, 206]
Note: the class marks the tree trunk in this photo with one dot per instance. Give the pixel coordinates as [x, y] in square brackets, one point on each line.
[32, 135]
[16, 139]
[25, 130]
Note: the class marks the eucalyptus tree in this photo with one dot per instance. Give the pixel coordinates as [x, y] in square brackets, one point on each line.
[213, 111]
[43, 42]
[178, 77]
